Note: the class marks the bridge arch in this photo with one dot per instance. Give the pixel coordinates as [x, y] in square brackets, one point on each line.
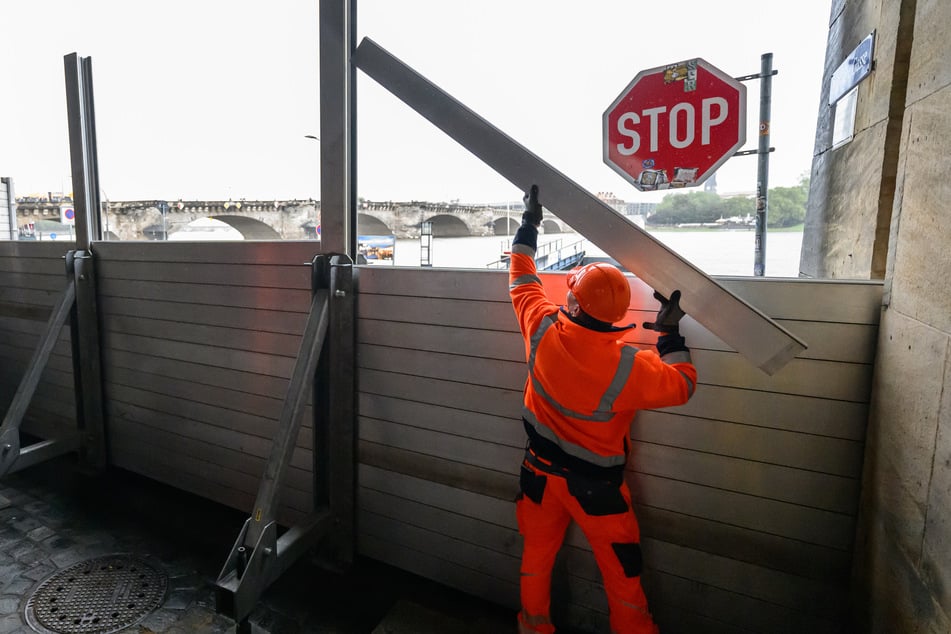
[250, 228]
[551, 226]
[446, 226]
[505, 226]
[372, 226]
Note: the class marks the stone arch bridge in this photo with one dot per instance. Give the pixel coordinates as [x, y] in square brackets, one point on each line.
[290, 219]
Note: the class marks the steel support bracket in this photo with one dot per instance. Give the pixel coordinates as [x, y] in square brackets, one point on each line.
[13, 457]
[258, 557]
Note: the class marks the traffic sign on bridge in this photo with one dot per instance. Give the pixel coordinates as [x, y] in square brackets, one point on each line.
[674, 125]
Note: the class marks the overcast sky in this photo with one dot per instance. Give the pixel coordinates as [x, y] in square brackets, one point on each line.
[212, 99]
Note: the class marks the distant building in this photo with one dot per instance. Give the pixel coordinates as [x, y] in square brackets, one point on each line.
[710, 185]
[608, 198]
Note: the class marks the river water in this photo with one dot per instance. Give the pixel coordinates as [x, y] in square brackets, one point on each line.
[715, 252]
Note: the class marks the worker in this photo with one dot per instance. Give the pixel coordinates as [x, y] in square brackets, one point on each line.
[583, 390]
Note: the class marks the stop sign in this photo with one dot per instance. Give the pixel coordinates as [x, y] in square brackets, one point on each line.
[674, 125]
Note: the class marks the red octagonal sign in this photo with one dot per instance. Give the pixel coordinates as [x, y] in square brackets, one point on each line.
[675, 125]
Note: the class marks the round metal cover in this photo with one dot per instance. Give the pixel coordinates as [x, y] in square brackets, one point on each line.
[97, 596]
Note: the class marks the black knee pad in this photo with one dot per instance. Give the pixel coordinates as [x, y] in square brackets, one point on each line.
[532, 484]
[630, 557]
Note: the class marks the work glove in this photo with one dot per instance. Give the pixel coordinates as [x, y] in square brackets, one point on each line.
[669, 315]
[533, 210]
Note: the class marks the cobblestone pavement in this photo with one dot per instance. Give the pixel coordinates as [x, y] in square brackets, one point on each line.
[57, 518]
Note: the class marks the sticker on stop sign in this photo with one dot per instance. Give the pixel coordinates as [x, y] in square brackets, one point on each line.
[674, 125]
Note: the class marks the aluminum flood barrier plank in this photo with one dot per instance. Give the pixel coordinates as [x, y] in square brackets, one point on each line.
[762, 341]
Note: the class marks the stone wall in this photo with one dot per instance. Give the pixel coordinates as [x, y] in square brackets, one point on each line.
[878, 209]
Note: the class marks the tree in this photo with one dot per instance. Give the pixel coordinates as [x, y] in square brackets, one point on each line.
[787, 205]
[693, 207]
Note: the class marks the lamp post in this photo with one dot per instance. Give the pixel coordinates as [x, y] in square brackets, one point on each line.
[317, 139]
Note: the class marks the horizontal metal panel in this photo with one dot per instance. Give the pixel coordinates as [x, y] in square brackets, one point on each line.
[11, 265]
[466, 451]
[287, 299]
[184, 389]
[432, 282]
[468, 530]
[503, 567]
[238, 252]
[469, 342]
[792, 449]
[449, 473]
[472, 370]
[140, 460]
[35, 281]
[172, 443]
[685, 606]
[763, 342]
[814, 526]
[197, 373]
[806, 595]
[25, 311]
[20, 347]
[845, 301]
[756, 547]
[50, 250]
[805, 377]
[500, 512]
[222, 337]
[831, 341]
[123, 399]
[200, 465]
[13, 327]
[459, 313]
[266, 364]
[48, 425]
[443, 571]
[29, 296]
[487, 400]
[126, 415]
[296, 276]
[58, 370]
[485, 427]
[257, 319]
[797, 486]
[803, 413]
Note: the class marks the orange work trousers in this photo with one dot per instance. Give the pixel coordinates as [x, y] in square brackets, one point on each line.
[547, 504]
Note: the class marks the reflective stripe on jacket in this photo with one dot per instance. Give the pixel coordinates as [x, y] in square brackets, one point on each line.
[584, 387]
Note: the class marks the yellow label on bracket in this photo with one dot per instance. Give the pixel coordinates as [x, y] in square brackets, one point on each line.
[257, 515]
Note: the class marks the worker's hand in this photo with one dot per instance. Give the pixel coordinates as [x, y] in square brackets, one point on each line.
[533, 210]
[669, 315]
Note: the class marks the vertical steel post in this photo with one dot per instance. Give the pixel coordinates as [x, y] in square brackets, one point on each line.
[82, 149]
[338, 212]
[87, 362]
[762, 170]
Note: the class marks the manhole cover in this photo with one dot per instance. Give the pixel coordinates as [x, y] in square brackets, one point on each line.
[96, 596]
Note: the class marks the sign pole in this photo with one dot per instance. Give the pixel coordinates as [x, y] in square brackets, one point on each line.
[762, 170]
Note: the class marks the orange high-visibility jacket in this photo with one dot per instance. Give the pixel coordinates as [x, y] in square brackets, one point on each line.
[584, 387]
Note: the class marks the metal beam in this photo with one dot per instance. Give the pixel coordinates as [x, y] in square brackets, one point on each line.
[338, 216]
[763, 342]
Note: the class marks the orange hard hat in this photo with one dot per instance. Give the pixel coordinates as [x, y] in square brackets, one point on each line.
[602, 291]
